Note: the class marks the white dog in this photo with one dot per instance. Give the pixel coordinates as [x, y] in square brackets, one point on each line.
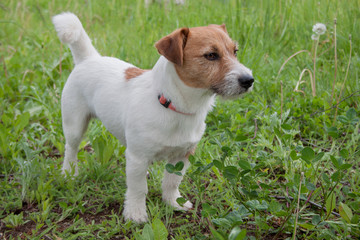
[157, 114]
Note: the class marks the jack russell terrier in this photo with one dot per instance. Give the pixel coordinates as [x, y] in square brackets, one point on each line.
[157, 114]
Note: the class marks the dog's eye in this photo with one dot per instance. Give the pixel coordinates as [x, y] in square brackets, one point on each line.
[235, 52]
[212, 56]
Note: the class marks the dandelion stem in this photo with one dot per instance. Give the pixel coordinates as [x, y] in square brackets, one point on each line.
[335, 57]
[314, 71]
[287, 60]
[343, 85]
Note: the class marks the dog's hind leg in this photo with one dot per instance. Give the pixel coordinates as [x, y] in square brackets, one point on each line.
[170, 186]
[75, 121]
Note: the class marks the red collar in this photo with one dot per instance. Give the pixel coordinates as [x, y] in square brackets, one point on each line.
[168, 104]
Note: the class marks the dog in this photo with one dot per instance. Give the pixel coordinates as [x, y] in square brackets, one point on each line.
[158, 114]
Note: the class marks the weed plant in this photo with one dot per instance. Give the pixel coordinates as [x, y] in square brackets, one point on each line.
[275, 164]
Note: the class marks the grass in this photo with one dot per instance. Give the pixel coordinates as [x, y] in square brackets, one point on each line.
[275, 164]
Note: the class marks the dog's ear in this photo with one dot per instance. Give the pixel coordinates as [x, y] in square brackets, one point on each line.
[172, 46]
[223, 27]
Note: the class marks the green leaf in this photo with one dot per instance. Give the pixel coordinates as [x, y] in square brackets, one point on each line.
[277, 132]
[345, 166]
[345, 212]
[207, 210]
[335, 162]
[227, 151]
[147, 233]
[160, 231]
[351, 114]
[63, 205]
[344, 153]
[333, 132]
[223, 222]
[330, 203]
[343, 119]
[22, 121]
[319, 156]
[307, 226]
[179, 166]
[287, 127]
[216, 234]
[294, 155]
[240, 138]
[255, 204]
[244, 165]
[307, 154]
[6, 120]
[236, 217]
[231, 173]
[275, 207]
[170, 168]
[181, 201]
[218, 164]
[316, 219]
[237, 234]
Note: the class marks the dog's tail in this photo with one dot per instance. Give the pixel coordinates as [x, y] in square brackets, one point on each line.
[71, 31]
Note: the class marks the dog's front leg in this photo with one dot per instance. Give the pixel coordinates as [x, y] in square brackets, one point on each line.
[170, 186]
[135, 205]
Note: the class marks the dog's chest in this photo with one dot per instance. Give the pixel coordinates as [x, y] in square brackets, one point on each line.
[173, 152]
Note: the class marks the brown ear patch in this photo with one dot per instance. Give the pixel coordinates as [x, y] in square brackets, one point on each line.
[172, 46]
[133, 72]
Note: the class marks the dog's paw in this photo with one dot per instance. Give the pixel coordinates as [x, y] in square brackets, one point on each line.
[70, 169]
[70, 173]
[185, 207]
[136, 214]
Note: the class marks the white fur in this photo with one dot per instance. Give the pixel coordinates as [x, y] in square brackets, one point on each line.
[70, 31]
[130, 111]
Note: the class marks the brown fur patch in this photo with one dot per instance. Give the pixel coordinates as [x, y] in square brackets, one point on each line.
[133, 72]
[191, 152]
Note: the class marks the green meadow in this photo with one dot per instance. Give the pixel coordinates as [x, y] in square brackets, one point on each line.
[282, 162]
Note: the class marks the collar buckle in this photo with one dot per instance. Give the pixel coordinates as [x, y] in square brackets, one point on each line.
[167, 104]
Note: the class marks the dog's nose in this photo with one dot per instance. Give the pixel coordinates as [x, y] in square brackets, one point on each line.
[246, 81]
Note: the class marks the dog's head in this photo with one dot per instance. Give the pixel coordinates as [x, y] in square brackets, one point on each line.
[205, 57]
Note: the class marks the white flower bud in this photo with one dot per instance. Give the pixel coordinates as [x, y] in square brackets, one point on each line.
[315, 37]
